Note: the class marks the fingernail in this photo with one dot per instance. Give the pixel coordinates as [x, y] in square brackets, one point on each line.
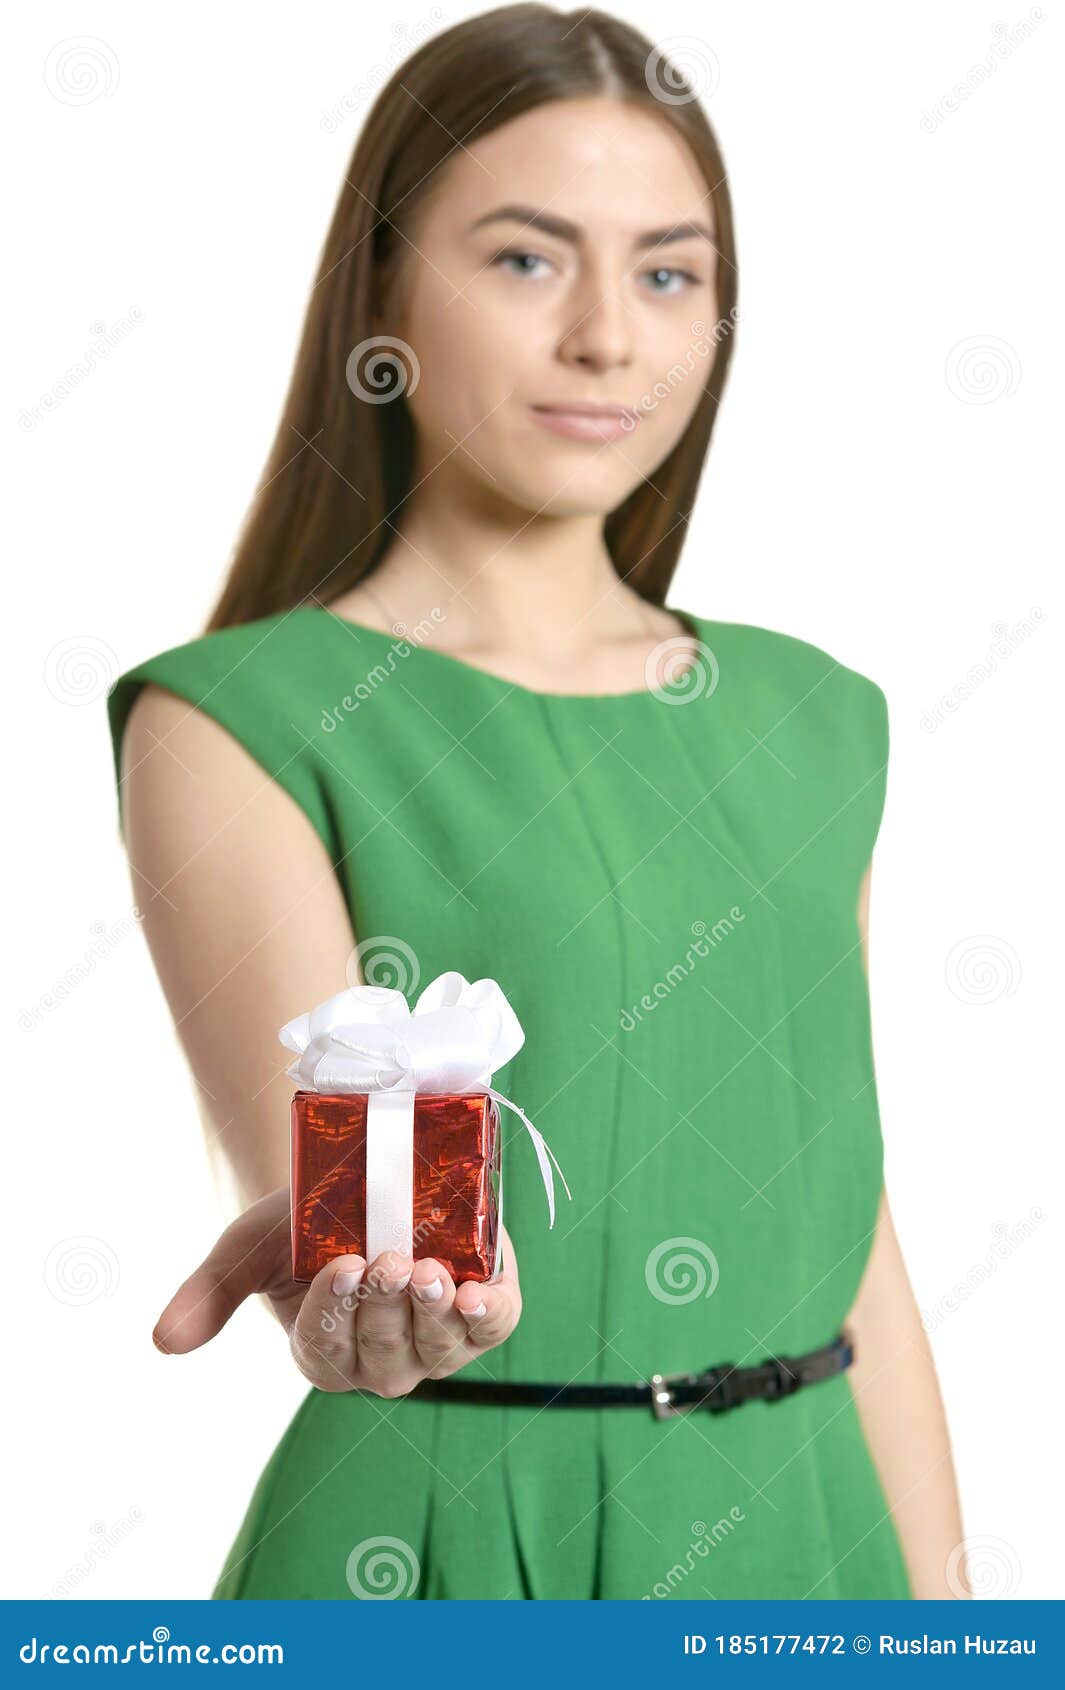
[475, 1314]
[346, 1280]
[429, 1293]
[397, 1284]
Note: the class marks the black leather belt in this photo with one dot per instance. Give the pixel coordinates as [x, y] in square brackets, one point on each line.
[716, 1389]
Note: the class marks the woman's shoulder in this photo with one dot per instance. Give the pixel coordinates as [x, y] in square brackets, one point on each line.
[826, 720]
[830, 713]
[239, 652]
[778, 663]
[776, 649]
[256, 667]
[257, 680]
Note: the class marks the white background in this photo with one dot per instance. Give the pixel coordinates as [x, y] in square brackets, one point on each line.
[875, 487]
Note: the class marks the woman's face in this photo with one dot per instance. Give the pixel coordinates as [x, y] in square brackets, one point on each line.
[576, 295]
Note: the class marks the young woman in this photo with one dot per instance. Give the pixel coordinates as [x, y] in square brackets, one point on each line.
[441, 719]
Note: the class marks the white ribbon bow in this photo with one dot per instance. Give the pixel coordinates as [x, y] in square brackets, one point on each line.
[368, 1040]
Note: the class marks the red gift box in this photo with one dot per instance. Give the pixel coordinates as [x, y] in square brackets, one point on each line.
[454, 1174]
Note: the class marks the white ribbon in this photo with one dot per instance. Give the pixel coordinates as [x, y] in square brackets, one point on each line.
[368, 1040]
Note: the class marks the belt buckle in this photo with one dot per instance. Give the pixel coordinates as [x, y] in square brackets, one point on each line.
[662, 1397]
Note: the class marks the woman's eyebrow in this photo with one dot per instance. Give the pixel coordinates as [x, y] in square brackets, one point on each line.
[567, 231]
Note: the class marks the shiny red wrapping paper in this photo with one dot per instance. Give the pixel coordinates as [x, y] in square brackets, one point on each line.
[457, 1152]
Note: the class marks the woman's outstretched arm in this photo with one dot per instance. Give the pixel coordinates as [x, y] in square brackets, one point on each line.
[899, 1404]
[244, 918]
[247, 926]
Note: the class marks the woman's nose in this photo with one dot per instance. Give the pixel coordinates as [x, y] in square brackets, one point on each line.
[598, 330]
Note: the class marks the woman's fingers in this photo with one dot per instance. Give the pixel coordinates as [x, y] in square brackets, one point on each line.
[489, 1311]
[384, 1327]
[501, 1300]
[439, 1330]
[353, 1327]
[460, 1323]
[323, 1333]
[243, 1261]
[385, 1354]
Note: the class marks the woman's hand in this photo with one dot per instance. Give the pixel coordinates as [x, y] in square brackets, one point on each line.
[354, 1327]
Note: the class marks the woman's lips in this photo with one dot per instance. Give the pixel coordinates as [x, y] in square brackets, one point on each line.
[581, 424]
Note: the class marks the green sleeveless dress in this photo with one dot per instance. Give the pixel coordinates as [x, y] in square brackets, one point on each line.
[664, 883]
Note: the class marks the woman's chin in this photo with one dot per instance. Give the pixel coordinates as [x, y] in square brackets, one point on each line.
[576, 492]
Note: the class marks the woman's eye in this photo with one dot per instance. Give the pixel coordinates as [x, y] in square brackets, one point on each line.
[665, 270]
[518, 257]
[522, 263]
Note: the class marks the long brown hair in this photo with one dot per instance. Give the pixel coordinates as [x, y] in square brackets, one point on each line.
[339, 471]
